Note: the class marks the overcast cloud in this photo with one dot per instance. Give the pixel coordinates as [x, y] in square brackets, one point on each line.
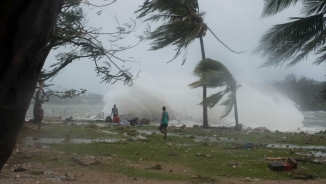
[236, 22]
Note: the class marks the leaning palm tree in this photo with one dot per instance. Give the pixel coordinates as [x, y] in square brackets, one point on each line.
[182, 24]
[295, 40]
[214, 74]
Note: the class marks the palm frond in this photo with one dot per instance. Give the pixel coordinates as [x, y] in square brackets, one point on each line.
[284, 41]
[228, 103]
[321, 58]
[198, 84]
[212, 100]
[314, 7]
[272, 7]
[176, 7]
[208, 65]
[311, 46]
[213, 73]
[182, 24]
[163, 17]
[177, 33]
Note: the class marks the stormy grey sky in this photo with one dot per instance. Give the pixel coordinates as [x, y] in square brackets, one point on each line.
[238, 23]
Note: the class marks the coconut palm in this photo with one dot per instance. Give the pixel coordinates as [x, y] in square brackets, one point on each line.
[214, 74]
[182, 24]
[293, 41]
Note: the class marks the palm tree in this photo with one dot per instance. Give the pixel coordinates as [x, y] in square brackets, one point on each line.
[182, 25]
[214, 74]
[296, 39]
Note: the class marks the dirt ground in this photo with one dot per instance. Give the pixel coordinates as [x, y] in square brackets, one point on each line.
[47, 173]
[69, 174]
[83, 175]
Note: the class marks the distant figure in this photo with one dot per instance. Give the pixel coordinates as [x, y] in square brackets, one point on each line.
[116, 119]
[114, 111]
[38, 114]
[164, 122]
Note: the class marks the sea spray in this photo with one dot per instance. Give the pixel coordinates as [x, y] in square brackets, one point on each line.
[270, 109]
[148, 95]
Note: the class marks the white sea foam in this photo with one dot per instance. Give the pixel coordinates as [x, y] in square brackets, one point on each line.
[256, 108]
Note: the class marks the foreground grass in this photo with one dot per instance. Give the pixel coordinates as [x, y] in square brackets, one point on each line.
[178, 154]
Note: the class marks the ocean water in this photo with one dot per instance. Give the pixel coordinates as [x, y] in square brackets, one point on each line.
[311, 121]
[66, 111]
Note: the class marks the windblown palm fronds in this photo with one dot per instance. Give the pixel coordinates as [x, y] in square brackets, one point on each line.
[295, 40]
[183, 24]
[214, 74]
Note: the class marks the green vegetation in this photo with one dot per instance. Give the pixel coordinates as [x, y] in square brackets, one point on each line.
[214, 74]
[305, 92]
[195, 152]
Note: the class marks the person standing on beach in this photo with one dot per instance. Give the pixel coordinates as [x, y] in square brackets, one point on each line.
[164, 122]
[38, 114]
[114, 111]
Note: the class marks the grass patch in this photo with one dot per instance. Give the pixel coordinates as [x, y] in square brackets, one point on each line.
[154, 149]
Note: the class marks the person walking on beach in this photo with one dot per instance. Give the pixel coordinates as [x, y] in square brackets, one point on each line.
[38, 114]
[114, 111]
[164, 122]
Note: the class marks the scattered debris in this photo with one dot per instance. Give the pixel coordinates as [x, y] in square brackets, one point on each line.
[145, 121]
[70, 177]
[204, 155]
[307, 160]
[68, 120]
[302, 175]
[177, 130]
[20, 169]
[172, 153]
[232, 164]
[157, 167]
[288, 165]
[275, 158]
[80, 161]
[247, 145]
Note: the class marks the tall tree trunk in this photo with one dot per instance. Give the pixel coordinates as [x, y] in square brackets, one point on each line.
[237, 127]
[25, 29]
[205, 119]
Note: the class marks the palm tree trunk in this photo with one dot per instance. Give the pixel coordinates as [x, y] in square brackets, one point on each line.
[237, 127]
[205, 119]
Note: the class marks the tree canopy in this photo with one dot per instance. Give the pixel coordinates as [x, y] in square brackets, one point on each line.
[295, 40]
[214, 74]
[83, 41]
[182, 24]
[305, 92]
